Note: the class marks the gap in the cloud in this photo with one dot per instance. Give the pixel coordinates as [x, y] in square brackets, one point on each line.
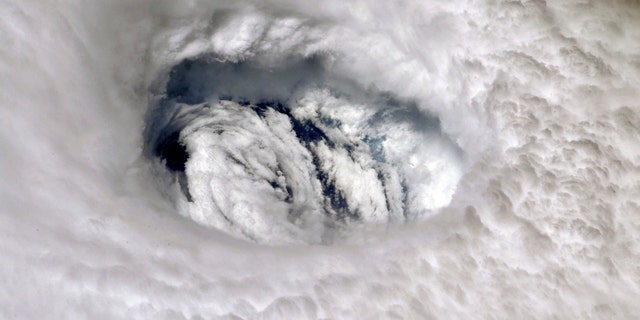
[195, 87]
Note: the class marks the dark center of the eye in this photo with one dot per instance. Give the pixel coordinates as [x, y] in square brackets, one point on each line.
[173, 152]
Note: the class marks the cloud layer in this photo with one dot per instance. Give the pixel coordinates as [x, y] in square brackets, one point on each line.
[541, 99]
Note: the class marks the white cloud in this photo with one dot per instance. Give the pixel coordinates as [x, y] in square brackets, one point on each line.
[542, 98]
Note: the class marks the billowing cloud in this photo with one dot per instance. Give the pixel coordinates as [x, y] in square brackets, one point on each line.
[294, 159]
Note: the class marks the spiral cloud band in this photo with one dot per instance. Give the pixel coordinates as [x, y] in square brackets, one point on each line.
[319, 159]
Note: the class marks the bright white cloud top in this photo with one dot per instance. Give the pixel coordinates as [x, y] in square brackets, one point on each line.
[319, 160]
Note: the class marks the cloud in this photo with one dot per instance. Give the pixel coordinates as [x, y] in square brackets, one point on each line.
[540, 99]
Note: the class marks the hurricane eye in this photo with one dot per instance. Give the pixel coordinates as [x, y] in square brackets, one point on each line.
[295, 154]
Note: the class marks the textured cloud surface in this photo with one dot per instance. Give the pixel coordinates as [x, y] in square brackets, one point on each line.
[319, 160]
